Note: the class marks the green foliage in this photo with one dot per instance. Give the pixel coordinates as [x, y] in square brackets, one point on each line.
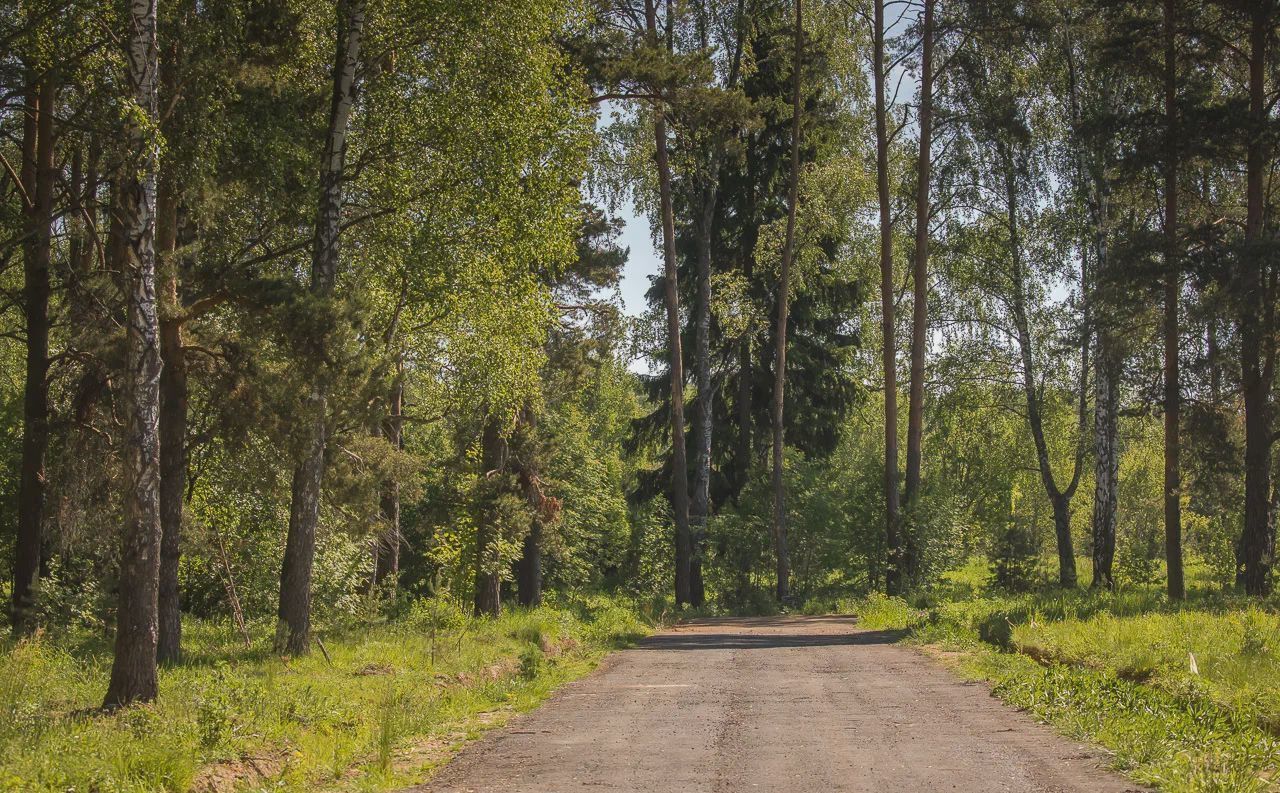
[1015, 557]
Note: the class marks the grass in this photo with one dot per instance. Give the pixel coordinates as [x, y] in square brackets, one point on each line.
[1186, 696]
[396, 700]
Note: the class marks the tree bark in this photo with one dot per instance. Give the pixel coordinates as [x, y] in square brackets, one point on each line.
[743, 403]
[529, 568]
[387, 558]
[293, 631]
[894, 582]
[742, 409]
[173, 424]
[38, 179]
[1172, 394]
[1106, 406]
[1060, 499]
[783, 558]
[1106, 411]
[700, 504]
[493, 459]
[133, 671]
[671, 295]
[1256, 323]
[920, 285]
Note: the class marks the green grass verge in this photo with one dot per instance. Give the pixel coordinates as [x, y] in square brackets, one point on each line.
[1185, 696]
[392, 701]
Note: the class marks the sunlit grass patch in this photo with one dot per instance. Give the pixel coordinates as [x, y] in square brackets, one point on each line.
[1186, 695]
[390, 701]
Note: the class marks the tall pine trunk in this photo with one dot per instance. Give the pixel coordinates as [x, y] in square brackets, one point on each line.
[293, 631]
[893, 578]
[920, 287]
[700, 503]
[1172, 394]
[671, 296]
[1256, 323]
[493, 461]
[173, 423]
[783, 558]
[133, 670]
[743, 401]
[38, 179]
[742, 411]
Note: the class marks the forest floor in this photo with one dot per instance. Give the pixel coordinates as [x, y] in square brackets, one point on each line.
[775, 703]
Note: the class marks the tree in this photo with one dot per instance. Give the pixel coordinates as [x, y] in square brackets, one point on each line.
[38, 180]
[679, 464]
[1088, 91]
[780, 335]
[1257, 312]
[888, 295]
[920, 276]
[714, 115]
[133, 671]
[1009, 163]
[493, 467]
[1172, 336]
[293, 632]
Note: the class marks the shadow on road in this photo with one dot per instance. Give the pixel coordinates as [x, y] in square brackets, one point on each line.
[708, 640]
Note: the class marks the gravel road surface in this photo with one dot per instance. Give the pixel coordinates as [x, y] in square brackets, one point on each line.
[774, 704]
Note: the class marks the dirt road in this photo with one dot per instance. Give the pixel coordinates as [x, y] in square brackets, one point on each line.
[788, 704]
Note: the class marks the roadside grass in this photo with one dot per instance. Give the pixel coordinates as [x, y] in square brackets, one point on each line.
[392, 700]
[1186, 696]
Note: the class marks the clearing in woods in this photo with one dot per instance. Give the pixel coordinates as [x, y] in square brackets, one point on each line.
[786, 704]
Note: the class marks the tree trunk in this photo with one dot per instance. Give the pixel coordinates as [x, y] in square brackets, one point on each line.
[493, 461]
[1214, 356]
[742, 409]
[700, 504]
[83, 252]
[173, 424]
[743, 403]
[133, 671]
[1256, 365]
[1106, 405]
[1106, 412]
[1060, 500]
[293, 631]
[1172, 395]
[784, 308]
[1062, 531]
[387, 558]
[920, 285]
[893, 576]
[38, 180]
[679, 463]
[529, 570]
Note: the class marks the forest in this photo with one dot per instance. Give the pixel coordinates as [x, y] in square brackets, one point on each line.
[315, 362]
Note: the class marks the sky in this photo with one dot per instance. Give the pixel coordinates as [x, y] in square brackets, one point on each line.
[643, 262]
